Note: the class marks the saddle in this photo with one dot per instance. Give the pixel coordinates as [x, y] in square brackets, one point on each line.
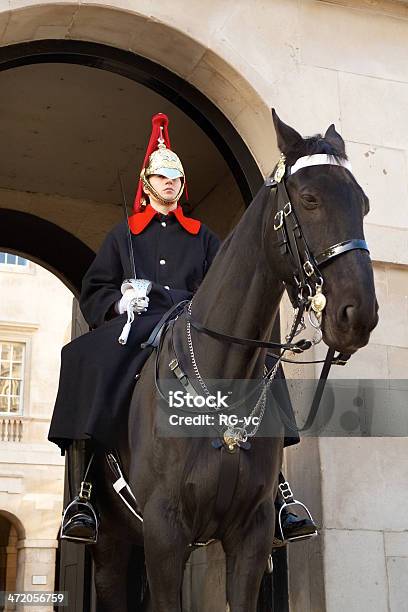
[153, 340]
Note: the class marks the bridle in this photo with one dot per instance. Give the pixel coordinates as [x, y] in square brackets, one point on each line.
[306, 293]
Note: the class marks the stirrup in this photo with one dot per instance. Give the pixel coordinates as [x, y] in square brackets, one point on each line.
[290, 501]
[82, 507]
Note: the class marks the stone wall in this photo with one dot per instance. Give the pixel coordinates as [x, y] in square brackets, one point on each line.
[317, 63]
[35, 309]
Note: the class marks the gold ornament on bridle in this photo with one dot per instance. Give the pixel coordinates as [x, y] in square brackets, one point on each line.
[280, 169]
[318, 301]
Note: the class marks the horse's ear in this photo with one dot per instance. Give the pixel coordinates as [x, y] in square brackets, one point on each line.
[334, 138]
[288, 138]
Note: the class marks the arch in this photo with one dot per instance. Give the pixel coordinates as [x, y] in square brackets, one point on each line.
[15, 521]
[215, 107]
[47, 244]
[156, 77]
[8, 554]
[186, 43]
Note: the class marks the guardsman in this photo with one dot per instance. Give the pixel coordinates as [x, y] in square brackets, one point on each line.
[134, 279]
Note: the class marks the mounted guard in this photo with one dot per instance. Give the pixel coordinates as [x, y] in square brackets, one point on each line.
[146, 265]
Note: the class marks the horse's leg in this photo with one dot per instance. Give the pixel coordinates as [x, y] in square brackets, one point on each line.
[246, 559]
[111, 558]
[166, 553]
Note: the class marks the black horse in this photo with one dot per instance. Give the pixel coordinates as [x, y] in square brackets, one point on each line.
[175, 480]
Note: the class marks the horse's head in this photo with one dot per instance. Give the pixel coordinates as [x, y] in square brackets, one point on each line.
[330, 206]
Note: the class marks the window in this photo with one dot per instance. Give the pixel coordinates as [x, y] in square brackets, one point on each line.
[12, 260]
[11, 376]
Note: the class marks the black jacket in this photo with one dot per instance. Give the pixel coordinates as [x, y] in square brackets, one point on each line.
[165, 253]
[97, 373]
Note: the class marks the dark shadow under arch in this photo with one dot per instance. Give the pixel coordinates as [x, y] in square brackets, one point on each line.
[15, 521]
[157, 78]
[46, 244]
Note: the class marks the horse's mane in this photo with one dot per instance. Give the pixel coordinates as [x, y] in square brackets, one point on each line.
[319, 144]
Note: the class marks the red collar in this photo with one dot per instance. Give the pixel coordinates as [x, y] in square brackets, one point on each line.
[139, 221]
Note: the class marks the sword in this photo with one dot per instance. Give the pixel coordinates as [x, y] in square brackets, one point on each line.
[125, 210]
[140, 286]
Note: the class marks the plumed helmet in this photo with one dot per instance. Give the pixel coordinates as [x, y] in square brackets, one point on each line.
[159, 159]
[164, 162]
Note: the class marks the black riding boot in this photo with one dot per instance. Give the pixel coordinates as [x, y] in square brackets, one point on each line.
[79, 519]
[290, 526]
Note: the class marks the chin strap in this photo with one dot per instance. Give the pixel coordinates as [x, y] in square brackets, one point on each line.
[149, 187]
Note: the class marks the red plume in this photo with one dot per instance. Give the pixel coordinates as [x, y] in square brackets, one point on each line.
[158, 121]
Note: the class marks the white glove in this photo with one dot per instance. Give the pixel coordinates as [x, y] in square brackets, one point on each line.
[134, 296]
[131, 298]
[134, 299]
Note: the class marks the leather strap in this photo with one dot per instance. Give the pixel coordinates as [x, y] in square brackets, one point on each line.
[121, 486]
[341, 247]
[319, 391]
[154, 338]
[297, 347]
[177, 366]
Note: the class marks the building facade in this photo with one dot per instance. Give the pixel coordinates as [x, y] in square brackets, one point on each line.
[217, 68]
[35, 321]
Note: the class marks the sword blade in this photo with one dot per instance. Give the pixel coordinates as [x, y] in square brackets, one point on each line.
[129, 236]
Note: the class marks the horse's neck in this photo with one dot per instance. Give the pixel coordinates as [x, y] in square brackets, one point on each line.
[239, 296]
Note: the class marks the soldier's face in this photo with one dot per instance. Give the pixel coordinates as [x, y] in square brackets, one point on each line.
[167, 188]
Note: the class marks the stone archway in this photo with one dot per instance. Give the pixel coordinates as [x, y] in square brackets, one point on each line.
[46, 244]
[172, 85]
[8, 555]
[73, 199]
[187, 43]
[11, 534]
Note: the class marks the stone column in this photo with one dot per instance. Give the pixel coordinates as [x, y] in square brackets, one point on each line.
[36, 568]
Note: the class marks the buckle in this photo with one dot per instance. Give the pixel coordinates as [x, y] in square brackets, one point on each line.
[278, 220]
[308, 268]
[340, 362]
[85, 490]
[285, 490]
[173, 364]
[341, 359]
[287, 209]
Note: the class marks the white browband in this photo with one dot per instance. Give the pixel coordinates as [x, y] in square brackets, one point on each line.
[317, 160]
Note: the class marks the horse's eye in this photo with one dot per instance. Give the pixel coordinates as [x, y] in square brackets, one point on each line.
[309, 200]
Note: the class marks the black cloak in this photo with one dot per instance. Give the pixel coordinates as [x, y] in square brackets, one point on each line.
[97, 374]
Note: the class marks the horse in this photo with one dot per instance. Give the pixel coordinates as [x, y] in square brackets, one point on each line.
[175, 480]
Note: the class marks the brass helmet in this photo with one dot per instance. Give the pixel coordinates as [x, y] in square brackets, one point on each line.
[159, 159]
[164, 162]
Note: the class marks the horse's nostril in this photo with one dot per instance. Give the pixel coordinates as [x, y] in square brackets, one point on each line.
[347, 314]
